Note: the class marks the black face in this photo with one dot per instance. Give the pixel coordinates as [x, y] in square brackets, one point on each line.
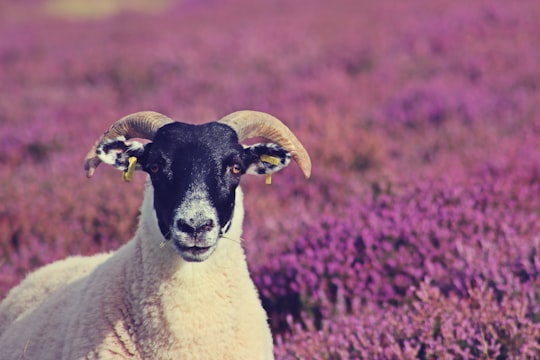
[195, 170]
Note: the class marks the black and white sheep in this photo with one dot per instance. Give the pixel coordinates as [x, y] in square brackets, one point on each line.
[180, 288]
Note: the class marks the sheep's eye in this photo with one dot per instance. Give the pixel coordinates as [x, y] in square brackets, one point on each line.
[154, 168]
[235, 169]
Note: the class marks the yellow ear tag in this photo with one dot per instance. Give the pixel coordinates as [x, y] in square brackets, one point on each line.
[128, 174]
[271, 160]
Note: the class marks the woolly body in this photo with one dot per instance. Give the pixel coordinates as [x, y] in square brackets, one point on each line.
[141, 302]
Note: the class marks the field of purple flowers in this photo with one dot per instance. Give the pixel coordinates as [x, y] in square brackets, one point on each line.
[418, 235]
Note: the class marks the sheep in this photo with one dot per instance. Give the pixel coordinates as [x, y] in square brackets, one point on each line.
[180, 288]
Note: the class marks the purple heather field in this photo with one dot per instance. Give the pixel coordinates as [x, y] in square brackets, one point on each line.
[418, 235]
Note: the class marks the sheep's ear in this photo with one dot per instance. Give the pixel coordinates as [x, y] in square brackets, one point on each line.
[265, 159]
[118, 151]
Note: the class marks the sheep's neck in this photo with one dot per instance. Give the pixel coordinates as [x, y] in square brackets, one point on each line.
[170, 291]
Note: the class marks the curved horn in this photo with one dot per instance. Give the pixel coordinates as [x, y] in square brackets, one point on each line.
[249, 124]
[142, 125]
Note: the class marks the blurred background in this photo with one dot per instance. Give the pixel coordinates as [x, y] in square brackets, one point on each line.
[417, 235]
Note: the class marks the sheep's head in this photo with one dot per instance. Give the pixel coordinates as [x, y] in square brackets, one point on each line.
[195, 169]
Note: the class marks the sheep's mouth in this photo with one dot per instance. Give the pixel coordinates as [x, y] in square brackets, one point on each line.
[194, 253]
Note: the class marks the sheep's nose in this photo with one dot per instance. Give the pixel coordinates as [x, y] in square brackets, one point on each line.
[194, 227]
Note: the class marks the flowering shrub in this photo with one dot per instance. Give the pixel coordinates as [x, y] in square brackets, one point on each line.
[377, 255]
[432, 326]
[418, 235]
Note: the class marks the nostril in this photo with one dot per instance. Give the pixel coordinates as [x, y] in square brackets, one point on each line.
[185, 227]
[206, 227]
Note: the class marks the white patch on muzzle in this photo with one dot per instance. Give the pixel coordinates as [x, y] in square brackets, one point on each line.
[197, 212]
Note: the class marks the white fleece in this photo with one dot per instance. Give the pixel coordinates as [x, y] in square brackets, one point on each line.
[38, 285]
[141, 302]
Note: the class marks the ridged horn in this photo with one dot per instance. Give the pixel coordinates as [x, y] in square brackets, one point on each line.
[143, 124]
[250, 124]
